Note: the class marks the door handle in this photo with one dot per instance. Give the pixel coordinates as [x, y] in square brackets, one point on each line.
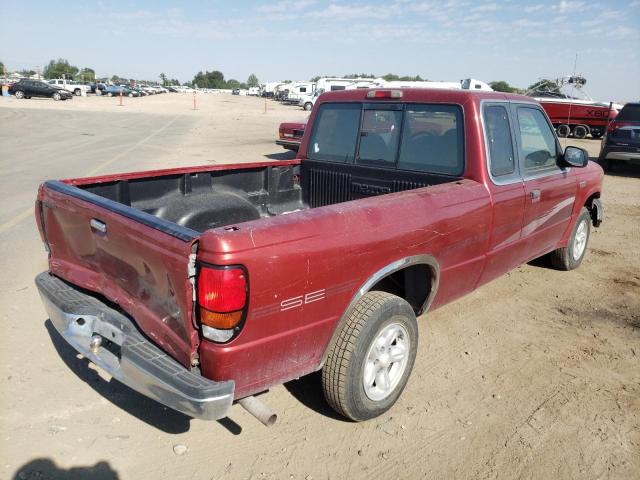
[534, 194]
[98, 225]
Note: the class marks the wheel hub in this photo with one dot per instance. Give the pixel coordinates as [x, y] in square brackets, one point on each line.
[386, 361]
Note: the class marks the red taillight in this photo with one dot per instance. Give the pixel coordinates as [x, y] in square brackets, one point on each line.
[612, 126]
[384, 94]
[222, 290]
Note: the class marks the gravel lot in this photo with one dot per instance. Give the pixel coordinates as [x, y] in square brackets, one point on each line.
[535, 375]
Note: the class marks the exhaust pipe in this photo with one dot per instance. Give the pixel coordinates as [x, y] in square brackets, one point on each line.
[259, 410]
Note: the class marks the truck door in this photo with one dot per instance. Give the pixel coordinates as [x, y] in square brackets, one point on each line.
[507, 190]
[550, 190]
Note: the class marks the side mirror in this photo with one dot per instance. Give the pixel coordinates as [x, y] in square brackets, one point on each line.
[575, 157]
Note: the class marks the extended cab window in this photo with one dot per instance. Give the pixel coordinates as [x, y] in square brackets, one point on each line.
[498, 138]
[335, 132]
[537, 142]
[432, 139]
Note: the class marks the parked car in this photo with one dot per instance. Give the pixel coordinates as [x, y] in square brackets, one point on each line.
[290, 135]
[114, 90]
[235, 91]
[203, 286]
[25, 88]
[622, 138]
[74, 87]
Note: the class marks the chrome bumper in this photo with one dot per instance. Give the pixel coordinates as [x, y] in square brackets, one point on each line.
[128, 356]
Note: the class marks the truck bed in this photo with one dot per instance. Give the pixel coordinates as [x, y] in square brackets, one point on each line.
[202, 200]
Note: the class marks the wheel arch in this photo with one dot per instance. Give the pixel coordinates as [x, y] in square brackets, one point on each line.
[424, 269]
[594, 205]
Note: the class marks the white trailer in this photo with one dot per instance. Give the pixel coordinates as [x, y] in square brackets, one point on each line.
[297, 89]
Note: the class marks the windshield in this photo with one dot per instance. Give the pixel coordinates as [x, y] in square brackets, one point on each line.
[419, 137]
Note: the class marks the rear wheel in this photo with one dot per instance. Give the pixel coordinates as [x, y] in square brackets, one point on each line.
[570, 257]
[77, 92]
[563, 130]
[56, 96]
[369, 365]
[580, 131]
[308, 106]
[19, 94]
[596, 134]
[109, 94]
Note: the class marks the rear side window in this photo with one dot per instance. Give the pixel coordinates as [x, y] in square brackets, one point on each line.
[629, 113]
[335, 132]
[537, 141]
[432, 139]
[498, 138]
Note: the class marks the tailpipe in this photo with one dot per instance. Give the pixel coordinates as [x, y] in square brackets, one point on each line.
[259, 410]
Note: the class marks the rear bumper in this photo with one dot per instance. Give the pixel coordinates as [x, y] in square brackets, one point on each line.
[128, 356]
[289, 144]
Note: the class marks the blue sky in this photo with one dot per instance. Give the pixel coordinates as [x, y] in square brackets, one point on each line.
[298, 39]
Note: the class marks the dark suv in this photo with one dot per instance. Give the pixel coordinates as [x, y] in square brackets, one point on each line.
[36, 88]
[622, 140]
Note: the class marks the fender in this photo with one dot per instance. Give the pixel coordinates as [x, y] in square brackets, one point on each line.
[400, 264]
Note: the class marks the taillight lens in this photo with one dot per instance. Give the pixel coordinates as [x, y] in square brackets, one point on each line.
[222, 296]
[222, 289]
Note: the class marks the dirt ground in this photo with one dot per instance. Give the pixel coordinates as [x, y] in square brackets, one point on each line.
[534, 376]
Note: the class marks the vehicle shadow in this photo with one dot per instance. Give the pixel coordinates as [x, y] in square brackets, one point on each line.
[286, 155]
[44, 468]
[132, 402]
[308, 391]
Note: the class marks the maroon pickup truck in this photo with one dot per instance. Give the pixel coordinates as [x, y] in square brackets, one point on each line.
[203, 286]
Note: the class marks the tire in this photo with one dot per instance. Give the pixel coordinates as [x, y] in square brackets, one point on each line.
[570, 257]
[563, 131]
[56, 96]
[109, 94]
[580, 131]
[130, 95]
[77, 92]
[360, 357]
[19, 94]
[596, 134]
[308, 106]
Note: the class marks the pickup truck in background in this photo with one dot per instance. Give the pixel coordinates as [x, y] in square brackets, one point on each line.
[207, 285]
[72, 86]
[290, 135]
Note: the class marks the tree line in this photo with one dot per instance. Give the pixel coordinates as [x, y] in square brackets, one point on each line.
[215, 79]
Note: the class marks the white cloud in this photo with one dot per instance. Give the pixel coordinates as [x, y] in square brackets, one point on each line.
[350, 12]
[534, 8]
[634, 4]
[286, 6]
[487, 7]
[569, 6]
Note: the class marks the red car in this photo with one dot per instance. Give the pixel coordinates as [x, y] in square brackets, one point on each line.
[203, 286]
[290, 135]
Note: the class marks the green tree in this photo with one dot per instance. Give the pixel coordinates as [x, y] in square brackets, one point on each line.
[163, 77]
[543, 85]
[87, 75]
[233, 83]
[252, 81]
[2, 70]
[502, 86]
[60, 68]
